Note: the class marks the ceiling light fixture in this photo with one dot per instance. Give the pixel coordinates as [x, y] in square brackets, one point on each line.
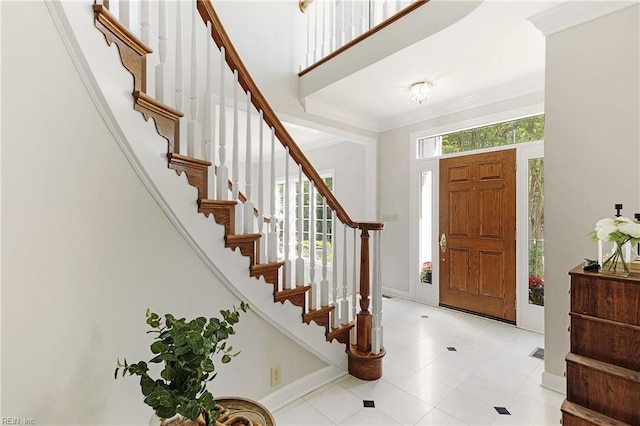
[420, 91]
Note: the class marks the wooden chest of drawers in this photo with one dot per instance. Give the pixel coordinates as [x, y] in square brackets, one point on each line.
[603, 367]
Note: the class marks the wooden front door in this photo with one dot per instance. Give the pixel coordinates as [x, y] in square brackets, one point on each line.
[477, 233]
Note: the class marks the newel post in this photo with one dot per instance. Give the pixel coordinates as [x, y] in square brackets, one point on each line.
[365, 363]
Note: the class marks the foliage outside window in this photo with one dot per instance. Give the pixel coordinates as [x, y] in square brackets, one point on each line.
[513, 132]
[294, 189]
[426, 272]
[536, 231]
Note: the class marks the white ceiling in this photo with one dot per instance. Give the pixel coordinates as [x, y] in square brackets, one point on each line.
[493, 53]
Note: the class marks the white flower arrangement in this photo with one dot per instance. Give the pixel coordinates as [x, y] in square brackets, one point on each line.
[620, 231]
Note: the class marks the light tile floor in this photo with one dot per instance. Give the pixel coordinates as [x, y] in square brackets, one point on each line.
[424, 383]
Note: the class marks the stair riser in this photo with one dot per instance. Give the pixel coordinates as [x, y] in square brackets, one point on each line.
[594, 393]
[607, 342]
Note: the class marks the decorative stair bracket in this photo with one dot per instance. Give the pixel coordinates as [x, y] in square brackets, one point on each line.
[132, 51]
[196, 170]
[166, 118]
[222, 211]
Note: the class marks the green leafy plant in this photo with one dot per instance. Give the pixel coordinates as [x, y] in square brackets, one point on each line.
[187, 349]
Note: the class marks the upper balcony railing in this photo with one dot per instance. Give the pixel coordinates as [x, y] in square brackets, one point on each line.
[335, 25]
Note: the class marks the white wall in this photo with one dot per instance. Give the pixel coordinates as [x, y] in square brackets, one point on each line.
[592, 147]
[86, 249]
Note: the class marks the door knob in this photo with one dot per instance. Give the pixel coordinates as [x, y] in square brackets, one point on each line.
[443, 243]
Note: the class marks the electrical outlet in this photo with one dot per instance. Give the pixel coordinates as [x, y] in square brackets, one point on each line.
[276, 373]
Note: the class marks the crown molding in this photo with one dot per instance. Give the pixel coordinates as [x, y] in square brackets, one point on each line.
[575, 12]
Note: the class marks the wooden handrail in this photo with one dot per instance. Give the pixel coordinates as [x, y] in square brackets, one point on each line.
[219, 35]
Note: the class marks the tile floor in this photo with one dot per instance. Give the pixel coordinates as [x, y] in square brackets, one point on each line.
[424, 383]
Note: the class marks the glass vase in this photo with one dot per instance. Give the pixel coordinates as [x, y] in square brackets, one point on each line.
[615, 263]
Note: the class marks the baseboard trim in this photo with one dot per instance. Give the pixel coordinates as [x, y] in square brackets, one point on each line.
[554, 382]
[293, 391]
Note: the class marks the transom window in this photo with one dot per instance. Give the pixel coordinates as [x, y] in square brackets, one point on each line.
[512, 132]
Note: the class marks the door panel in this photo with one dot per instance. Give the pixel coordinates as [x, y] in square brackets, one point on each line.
[459, 202]
[477, 217]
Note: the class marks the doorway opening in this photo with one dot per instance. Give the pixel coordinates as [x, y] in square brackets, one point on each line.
[528, 280]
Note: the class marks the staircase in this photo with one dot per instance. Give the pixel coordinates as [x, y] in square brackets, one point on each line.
[361, 332]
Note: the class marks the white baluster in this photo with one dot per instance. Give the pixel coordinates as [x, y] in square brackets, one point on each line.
[323, 12]
[376, 293]
[314, 9]
[300, 234]
[354, 294]
[352, 20]
[324, 284]
[308, 57]
[235, 172]
[124, 13]
[222, 191]
[163, 43]
[287, 271]
[262, 251]
[389, 9]
[272, 248]
[179, 95]
[341, 36]
[344, 303]
[332, 25]
[145, 24]
[248, 204]
[193, 130]
[365, 15]
[334, 276]
[312, 246]
[209, 118]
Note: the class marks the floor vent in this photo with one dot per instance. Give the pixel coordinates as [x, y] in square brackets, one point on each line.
[538, 353]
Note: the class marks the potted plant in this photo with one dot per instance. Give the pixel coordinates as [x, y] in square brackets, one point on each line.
[186, 349]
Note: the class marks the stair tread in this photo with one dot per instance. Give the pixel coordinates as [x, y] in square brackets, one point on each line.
[295, 290]
[120, 30]
[187, 159]
[156, 106]
[239, 238]
[603, 367]
[217, 203]
[314, 313]
[591, 416]
[342, 328]
[260, 268]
